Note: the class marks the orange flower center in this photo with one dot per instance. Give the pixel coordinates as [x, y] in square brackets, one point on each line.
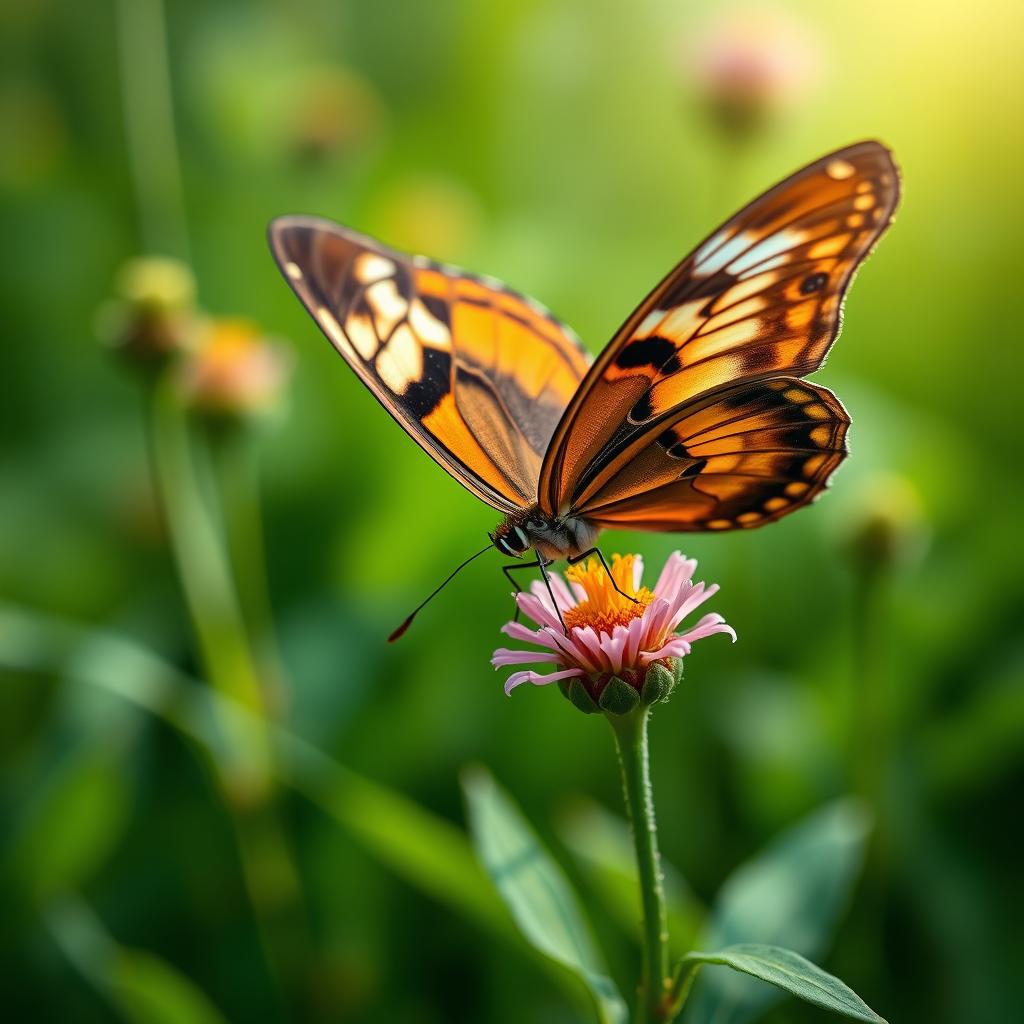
[604, 607]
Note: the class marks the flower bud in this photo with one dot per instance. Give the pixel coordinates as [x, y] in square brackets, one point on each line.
[235, 372]
[153, 314]
[888, 529]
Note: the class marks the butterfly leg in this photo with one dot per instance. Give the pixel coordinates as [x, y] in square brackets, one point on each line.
[507, 570]
[542, 564]
[597, 551]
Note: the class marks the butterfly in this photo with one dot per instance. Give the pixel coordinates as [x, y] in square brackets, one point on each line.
[693, 418]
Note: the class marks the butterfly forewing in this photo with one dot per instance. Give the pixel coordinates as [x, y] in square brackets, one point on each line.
[760, 298]
[477, 374]
[751, 456]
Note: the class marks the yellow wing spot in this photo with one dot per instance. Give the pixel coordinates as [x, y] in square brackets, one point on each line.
[774, 504]
[864, 186]
[740, 311]
[821, 435]
[388, 306]
[744, 289]
[797, 488]
[749, 518]
[400, 363]
[864, 202]
[339, 339]
[796, 395]
[840, 169]
[370, 267]
[293, 270]
[855, 220]
[719, 524]
[430, 330]
[828, 247]
[723, 340]
[813, 464]
[816, 411]
[362, 335]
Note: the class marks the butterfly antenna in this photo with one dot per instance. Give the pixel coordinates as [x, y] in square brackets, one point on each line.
[396, 633]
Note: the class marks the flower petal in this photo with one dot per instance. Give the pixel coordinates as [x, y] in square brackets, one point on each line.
[517, 678]
[505, 656]
[539, 608]
[709, 625]
[678, 570]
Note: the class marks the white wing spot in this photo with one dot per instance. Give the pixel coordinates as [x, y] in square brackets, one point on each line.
[370, 267]
[718, 258]
[293, 270]
[774, 245]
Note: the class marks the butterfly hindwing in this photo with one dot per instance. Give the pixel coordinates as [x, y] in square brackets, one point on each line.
[760, 298]
[478, 375]
[751, 456]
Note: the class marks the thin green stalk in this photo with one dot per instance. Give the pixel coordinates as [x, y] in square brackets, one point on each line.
[236, 471]
[631, 741]
[149, 126]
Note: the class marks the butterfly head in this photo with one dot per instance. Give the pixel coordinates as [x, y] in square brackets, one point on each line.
[511, 539]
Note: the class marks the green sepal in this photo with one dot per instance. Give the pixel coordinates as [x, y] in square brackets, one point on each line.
[618, 697]
[574, 690]
[677, 670]
[658, 684]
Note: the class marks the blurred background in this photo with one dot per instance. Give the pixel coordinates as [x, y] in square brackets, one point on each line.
[201, 504]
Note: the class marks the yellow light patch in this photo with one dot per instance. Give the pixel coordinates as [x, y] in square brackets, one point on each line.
[797, 488]
[840, 169]
[400, 363]
[719, 524]
[816, 411]
[864, 202]
[795, 395]
[855, 220]
[864, 186]
[774, 504]
[748, 518]
[681, 322]
[821, 435]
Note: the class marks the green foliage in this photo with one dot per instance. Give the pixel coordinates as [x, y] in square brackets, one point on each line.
[536, 890]
[786, 970]
[791, 894]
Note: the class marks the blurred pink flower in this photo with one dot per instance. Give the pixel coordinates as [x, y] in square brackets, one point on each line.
[609, 635]
[749, 64]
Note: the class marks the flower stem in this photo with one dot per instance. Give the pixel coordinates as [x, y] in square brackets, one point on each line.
[631, 741]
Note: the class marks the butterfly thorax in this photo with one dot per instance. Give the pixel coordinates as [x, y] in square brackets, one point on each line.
[551, 537]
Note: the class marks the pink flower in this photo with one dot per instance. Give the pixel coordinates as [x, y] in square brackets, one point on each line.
[609, 635]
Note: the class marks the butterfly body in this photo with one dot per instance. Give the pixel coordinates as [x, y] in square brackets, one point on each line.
[552, 537]
[693, 418]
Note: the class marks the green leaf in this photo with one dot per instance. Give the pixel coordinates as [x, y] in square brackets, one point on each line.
[791, 894]
[535, 889]
[786, 970]
[73, 823]
[601, 843]
[142, 987]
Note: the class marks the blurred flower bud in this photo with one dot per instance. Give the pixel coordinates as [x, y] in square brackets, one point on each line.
[235, 371]
[888, 527]
[748, 66]
[153, 315]
[335, 112]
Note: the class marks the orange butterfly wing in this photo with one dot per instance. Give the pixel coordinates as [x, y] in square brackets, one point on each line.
[759, 299]
[751, 456]
[477, 374]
